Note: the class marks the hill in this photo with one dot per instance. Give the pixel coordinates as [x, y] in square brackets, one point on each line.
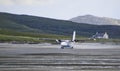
[94, 20]
[42, 25]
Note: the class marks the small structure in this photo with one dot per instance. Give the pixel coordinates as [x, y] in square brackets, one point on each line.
[100, 36]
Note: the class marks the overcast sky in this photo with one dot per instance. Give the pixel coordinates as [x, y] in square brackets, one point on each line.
[62, 9]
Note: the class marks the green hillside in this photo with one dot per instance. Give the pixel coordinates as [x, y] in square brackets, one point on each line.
[27, 37]
[41, 25]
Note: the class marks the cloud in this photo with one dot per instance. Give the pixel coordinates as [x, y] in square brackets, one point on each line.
[26, 2]
[6, 2]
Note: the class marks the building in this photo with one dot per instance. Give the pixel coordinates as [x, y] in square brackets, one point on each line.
[100, 36]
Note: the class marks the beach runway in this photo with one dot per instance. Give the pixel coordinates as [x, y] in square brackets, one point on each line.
[47, 57]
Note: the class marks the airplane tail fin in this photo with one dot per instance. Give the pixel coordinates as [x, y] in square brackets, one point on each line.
[74, 35]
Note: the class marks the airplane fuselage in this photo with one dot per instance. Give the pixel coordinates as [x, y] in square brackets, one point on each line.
[66, 45]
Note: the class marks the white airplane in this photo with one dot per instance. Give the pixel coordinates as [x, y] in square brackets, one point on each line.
[67, 43]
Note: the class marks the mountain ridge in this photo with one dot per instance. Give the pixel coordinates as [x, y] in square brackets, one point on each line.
[95, 20]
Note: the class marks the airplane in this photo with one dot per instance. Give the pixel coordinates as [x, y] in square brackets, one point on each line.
[67, 43]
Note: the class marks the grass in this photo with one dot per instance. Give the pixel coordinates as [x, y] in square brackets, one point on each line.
[7, 35]
[18, 38]
[10, 35]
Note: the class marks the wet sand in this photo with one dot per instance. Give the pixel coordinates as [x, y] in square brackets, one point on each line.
[47, 57]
